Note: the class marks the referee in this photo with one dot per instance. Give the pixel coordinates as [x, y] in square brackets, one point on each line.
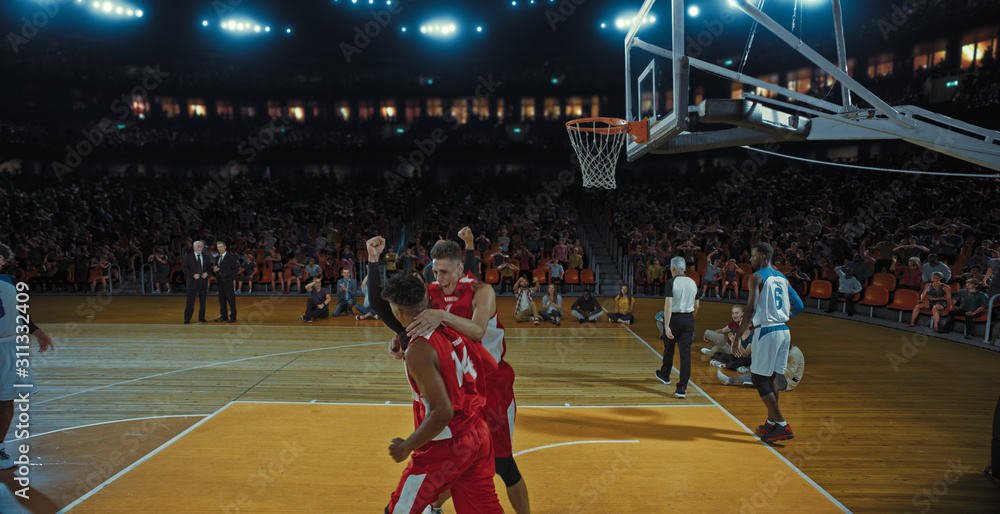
[679, 309]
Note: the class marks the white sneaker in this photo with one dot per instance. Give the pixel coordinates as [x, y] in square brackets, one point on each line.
[706, 351]
[6, 462]
[536, 321]
[743, 369]
[716, 364]
[723, 378]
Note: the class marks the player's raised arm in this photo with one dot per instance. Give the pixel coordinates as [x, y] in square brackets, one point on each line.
[381, 307]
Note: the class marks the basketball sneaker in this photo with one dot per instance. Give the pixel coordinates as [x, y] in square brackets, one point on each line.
[706, 351]
[716, 364]
[780, 433]
[723, 378]
[662, 378]
[765, 429]
[5, 461]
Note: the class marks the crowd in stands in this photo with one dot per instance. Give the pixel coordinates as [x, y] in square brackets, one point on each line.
[79, 235]
[861, 228]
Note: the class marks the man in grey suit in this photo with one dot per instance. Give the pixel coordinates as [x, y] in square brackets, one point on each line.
[196, 270]
[226, 269]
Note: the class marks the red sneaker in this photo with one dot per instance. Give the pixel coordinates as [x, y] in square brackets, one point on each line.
[780, 433]
[765, 429]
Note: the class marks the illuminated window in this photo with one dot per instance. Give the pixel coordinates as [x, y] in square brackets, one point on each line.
[929, 55]
[880, 65]
[977, 44]
[527, 109]
[553, 109]
[595, 106]
[800, 80]
[140, 107]
[412, 110]
[736, 92]
[699, 95]
[574, 106]
[771, 79]
[196, 108]
[388, 109]
[274, 109]
[224, 109]
[459, 110]
[434, 108]
[344, 110]
[248, 112]
[481, 108]
[499, 109]
[366, 110]
[296, 111]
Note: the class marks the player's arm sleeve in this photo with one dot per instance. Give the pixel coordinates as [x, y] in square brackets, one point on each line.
[32, 327]
[797, 304]
[470, 263]
[379, 305]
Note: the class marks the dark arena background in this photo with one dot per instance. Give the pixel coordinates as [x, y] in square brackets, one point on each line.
[293, 132]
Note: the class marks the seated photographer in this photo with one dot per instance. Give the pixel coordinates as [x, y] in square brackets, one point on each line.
[786, 382]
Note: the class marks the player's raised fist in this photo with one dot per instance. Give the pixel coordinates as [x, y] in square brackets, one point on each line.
[375, 247]
[466, 235]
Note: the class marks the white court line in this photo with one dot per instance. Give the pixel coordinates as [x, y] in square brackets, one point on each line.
[142, 459]
[744, 427]
[110, 422]
[519, 406]
[204, 366]
[529, 450]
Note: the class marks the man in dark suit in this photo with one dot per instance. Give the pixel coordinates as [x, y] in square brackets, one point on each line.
[226, 269]
[196, 270]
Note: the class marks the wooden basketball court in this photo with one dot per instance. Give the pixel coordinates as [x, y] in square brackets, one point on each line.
[137, 412]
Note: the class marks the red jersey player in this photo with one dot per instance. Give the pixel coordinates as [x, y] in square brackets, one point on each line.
[461, 302]
[451, 446]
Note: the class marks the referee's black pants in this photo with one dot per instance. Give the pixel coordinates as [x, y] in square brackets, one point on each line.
[682, 327]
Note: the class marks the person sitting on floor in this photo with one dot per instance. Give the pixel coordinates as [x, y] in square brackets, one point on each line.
[524, 302]
[722, 339]
[318, 303]
[552, 306]
[623, 307]
[586, 308]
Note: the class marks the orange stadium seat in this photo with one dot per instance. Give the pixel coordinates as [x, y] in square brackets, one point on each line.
[885, 280]
[875, 296]
[542, 274]
[820, 290]
[587, 277]
[694, 275]
[904, 300]
[492, 276]
[571, 278]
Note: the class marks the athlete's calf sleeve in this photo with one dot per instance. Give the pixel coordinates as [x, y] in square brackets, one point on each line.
[760, 382]
[507, 469]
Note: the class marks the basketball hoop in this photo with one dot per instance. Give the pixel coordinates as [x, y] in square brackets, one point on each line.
[597, 142]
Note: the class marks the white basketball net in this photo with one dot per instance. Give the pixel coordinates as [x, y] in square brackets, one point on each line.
[597, 145]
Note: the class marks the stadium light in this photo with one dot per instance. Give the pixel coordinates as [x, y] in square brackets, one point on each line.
[624, 22]
[204, 23]
[479, 29]
[694, 11]
[603, 25]
[241, 26]
[439, 28]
